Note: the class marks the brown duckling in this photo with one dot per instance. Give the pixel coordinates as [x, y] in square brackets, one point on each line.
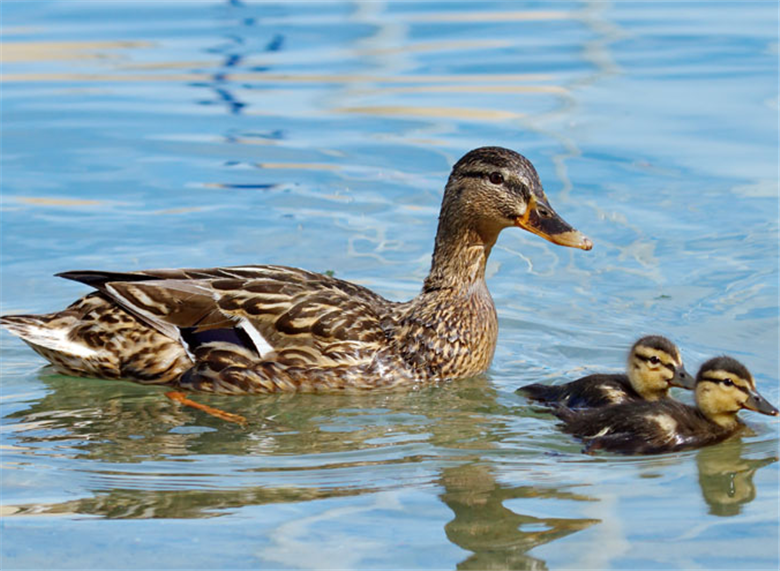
[723, 387]
[260, 329]
[654, 365]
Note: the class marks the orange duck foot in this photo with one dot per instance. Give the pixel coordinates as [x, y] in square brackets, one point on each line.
[228, 416]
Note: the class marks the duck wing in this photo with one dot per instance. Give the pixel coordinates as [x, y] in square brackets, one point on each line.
[263, 308]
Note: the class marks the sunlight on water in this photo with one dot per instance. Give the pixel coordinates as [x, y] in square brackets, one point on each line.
[320, 135]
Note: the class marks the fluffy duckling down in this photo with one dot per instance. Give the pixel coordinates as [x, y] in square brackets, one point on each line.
[654, 365]
[724, 386]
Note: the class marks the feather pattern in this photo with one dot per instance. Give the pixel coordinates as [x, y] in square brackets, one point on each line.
[643, 427]
[654, 365]
[264, 328]
[723, 387]
[591, 391]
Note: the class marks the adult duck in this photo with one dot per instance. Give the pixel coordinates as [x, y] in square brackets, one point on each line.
[262, 329]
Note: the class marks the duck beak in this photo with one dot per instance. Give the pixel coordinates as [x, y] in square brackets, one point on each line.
[542, 220]
[683, 378]
[759, 404]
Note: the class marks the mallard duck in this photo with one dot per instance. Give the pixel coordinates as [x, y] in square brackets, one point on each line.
[654, 365]
[260, 329]
[724, 386]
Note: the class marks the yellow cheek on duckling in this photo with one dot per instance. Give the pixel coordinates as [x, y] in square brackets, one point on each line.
[740, 397]
[654, 380]
[716, 400]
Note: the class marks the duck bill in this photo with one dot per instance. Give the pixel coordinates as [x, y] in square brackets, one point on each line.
[683, 379]
[759, 404]
[551, 226]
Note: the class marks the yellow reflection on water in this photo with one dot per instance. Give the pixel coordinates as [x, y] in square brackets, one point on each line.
[48, 201]
[276, 77]
[16, 52]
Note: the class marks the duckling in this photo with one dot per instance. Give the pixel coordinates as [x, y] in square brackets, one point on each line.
[265, 329]
[724, 386]
[654, 365]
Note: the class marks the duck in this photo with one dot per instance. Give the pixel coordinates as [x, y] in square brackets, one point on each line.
[724, 386]
[269, 328]
[654, 365]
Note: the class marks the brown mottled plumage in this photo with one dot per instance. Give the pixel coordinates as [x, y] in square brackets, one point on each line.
[723, 387]
[654, 365]
[259, 329]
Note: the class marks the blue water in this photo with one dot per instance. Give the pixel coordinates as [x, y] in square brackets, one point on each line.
[139, 135]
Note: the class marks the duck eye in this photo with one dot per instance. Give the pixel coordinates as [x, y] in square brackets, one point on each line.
[496, 178]
[654, 360]
[728, 382]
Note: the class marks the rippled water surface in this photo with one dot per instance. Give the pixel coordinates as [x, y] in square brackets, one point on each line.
[139, 135]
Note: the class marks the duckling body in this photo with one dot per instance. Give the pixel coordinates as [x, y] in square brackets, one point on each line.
[255, 329]
[588, 392]
[654, 365]
[642, 427]
[723, 387]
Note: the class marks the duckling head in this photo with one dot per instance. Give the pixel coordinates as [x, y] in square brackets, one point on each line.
[655, 365]
[724, 386]
[492, 188]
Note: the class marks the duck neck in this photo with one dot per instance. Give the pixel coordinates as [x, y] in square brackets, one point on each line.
[459, 260]
[726, 420]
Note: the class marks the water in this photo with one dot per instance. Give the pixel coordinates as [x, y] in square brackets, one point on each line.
[139, 135]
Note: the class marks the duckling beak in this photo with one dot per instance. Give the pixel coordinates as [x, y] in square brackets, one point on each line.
[542, 220]
[759, 404]
[683, 378]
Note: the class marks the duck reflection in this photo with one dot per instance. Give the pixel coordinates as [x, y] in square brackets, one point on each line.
[498, 537]
[178, 504]
[726, 476]
[297, 448]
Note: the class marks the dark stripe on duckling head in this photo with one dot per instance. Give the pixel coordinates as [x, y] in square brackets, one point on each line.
[719, 369]
[658, 342]
[726, 381]
[654, 360]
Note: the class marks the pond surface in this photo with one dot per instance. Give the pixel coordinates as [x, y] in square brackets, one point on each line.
[140, 135]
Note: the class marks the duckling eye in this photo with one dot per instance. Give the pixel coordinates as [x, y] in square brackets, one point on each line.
[728, 382]
[496, 178]
[654, 360]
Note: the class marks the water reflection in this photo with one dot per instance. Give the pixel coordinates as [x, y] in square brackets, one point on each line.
[307, 439]
[498, 537]
[178, 504]
[726, 477]
[150, 458]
